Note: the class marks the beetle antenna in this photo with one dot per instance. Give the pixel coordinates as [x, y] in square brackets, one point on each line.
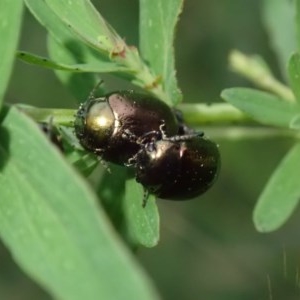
[93, 91]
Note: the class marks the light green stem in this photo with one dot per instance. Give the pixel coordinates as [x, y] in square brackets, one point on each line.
[61, 116]
[219, 121]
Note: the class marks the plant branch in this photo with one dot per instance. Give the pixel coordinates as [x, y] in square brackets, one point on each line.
[219, 120]
[61, 116]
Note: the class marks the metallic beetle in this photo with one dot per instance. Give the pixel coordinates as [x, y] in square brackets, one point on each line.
[115, 125]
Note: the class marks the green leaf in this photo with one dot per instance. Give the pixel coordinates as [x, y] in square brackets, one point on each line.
[111, 191]
[158, 19]
[297, 4]
[49, 20]
[123, 200]
[263, 107]
[87, 24]
[73, 51]
[70, 19]
[70, 22]
[50, 221]
[294, 74]
[11, 17]
[255, 69]
[142, 222]
[66, 50]
[98, 66]
[281, 194]
[79, 84]
[85, 21]
[279, 19]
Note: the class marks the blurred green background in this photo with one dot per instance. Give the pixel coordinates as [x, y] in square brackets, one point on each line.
[209, 248]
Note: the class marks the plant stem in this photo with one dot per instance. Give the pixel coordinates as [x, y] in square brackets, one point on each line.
[217, 118]
[143, 75]
[61, 116]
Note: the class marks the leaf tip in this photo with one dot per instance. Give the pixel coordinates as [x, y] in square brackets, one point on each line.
[265, 223]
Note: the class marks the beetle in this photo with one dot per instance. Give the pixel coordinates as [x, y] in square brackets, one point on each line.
[116, 125]
[139, 131]
[177, 168]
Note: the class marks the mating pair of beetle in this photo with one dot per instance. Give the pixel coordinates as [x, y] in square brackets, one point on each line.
[135, 130]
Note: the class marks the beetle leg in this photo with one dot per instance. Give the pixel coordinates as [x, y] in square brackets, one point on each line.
[131, 161]
[99, 152]
[156, 135]
[104, 164]
[127, 134]
[162, 129]
[185, 137]
[145, 198]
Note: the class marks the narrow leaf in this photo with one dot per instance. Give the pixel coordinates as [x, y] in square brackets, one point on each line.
[50, 221]
[158, 19]
[67, 19]
[72, 43]
[294, 74]
[281, 194]
[111, 191]
[263, 107]
[99, 66]
[63, 34]
[68, 49]
[255, 69]
[142, 222]
[123, 200]
[79, 84]
[82, 33]
[85, 21]
[297, 5]
[279, 20]
[49, 20]
[11, 17]
[87, 24]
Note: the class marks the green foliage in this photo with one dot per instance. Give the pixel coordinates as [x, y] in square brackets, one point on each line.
[62, 239]
[10, 16]
[282, 33]
[99, 43]
[68, 234]
[263, 107]
[282, 193]
[51, 219]
[145, 229]
[294, 74]
[158, 21]
[122, 200]
[97, 66]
